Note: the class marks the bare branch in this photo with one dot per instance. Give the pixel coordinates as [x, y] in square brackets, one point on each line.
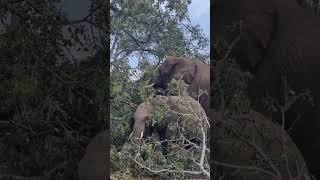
[253, 168]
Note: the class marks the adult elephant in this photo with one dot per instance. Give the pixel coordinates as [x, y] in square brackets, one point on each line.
[195, 73]
[163, 113]
[270, 43]
[95, 162]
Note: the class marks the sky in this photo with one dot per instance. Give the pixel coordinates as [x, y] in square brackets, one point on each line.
[78, 12]
[199, 11]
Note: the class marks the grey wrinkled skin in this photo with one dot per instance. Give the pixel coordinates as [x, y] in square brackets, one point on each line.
[142, 114]
[195, 73]
[276, 39]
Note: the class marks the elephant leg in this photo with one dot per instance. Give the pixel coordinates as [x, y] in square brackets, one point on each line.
[164, 143]
[162, 131]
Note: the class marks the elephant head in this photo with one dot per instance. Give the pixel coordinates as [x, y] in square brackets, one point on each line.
[139, 122]
[195, 73]
[247, 28]
[181, 109]
[173, 66]
[93, 165]
[281, 54]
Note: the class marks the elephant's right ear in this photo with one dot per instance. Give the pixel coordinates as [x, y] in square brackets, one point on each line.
[263, 27]
[168, 66]
[258, 30]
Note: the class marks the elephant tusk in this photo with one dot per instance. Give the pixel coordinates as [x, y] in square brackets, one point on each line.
[141, 135]
[150, 85]
[130, 135]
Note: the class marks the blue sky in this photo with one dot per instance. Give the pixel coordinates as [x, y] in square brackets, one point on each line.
[75, 11]
[199, 11]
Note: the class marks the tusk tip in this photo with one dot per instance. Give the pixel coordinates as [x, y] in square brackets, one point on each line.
[141, 135]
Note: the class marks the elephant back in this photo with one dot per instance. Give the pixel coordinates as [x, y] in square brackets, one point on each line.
[188, 114]
[249, 146]
[93, 165]
[185, 104]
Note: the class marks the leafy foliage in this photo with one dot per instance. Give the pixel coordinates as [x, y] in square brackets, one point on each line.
[136, 161]
[51, 102]
[145, 32]
[152, 29]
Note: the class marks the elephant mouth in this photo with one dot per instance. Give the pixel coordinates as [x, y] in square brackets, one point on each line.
[136, 139]
[159, 89]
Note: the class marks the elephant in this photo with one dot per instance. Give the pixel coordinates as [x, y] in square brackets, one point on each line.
[266, 40]
[249, 146]
[183, 110]
[195, 73]
[94, 164]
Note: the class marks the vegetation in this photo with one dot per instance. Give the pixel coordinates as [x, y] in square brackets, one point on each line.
[52, 103]
[145, 32]
[53, 99]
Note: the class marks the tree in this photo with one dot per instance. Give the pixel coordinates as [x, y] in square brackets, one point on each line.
[153, 29]
[145, 32]
[53, 83]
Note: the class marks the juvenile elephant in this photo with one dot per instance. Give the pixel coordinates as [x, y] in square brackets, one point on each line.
[270, 43]
[164, 112]
[195, 73]
[249, 146]
[94, 163]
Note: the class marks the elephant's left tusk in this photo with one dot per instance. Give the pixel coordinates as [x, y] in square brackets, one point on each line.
[141, 135]
[130, 135]
[150, 85]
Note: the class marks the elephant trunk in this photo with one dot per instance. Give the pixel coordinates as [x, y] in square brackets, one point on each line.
[159, 84]
[143, 112]
[138, 130]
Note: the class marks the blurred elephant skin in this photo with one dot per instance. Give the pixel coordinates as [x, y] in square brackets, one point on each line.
[175, 109]
[249, 146]
[271, 44]
[93, 165]
[195, 73]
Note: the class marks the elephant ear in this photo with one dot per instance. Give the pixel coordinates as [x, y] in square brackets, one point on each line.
[168, 65]
[186, 68]
[263, 28]
[258, 30]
